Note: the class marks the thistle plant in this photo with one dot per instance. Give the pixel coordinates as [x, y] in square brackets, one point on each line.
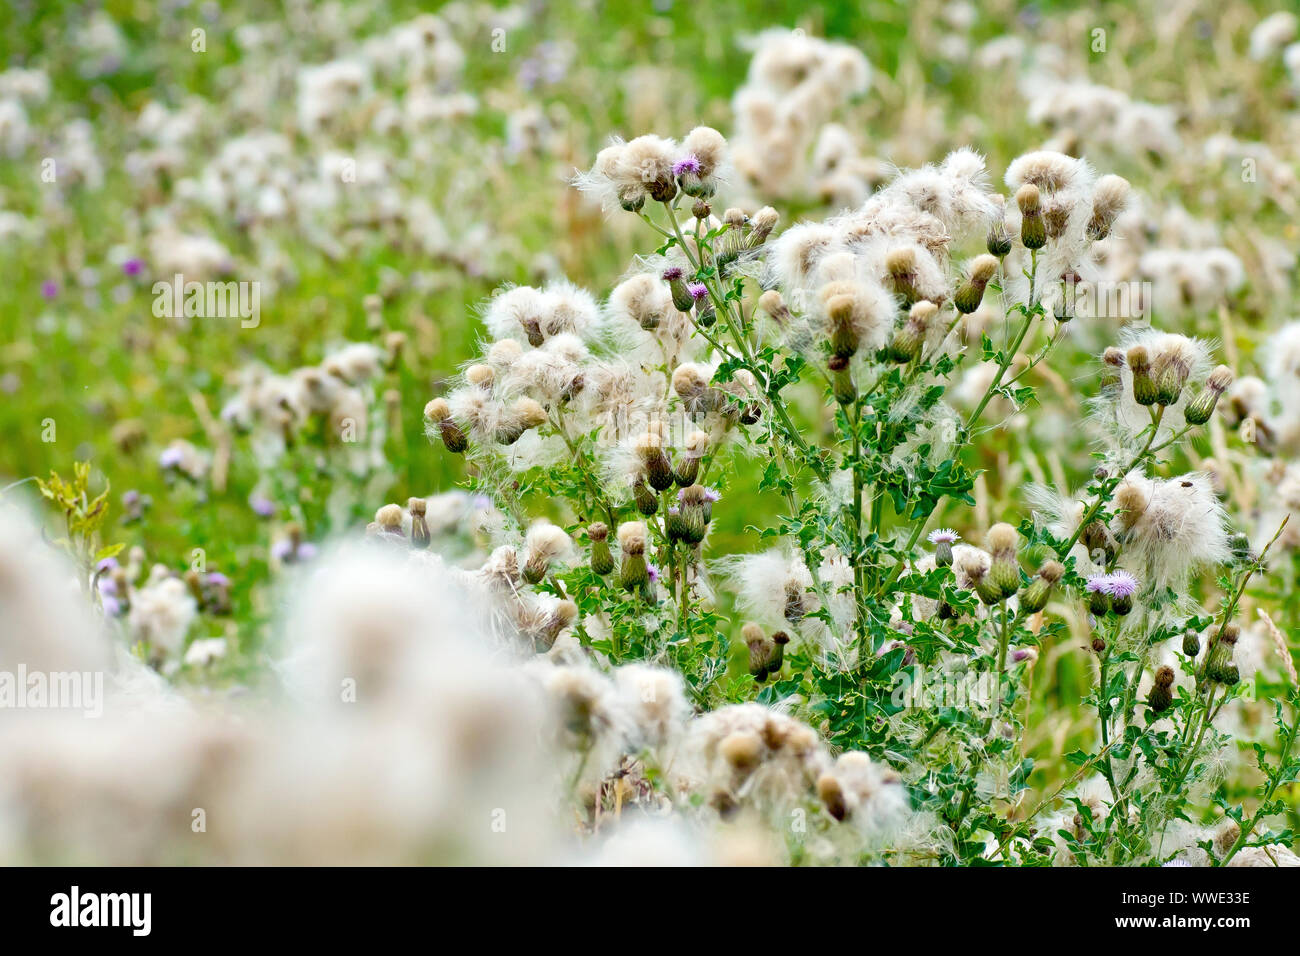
[822, 359]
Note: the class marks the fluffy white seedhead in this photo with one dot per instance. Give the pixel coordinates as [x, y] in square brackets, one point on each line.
[956, 193]
[1170, 527]
[749, 755]
[654, 700]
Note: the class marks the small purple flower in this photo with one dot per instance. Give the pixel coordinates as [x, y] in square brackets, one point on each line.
[133, 266]
[130, 498]
[697, 290]
[218, 580]
[687, 164]
[49, 289]
[171, 457]
[652, 572]
[1098, 584]
[1121, 584]
[673, 273]
[262, 506]
[107, 586]
[108, 564]
[112, 606]
[281, 549]
[306, 551]
[943, 535]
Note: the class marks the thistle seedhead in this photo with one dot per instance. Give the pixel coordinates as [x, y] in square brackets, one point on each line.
[971, 293]
[420, 536]
[1033, 231]
[1200, 409]
[1161, 697]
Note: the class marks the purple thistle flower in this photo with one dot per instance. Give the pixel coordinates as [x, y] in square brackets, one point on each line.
[697, 290]
[112, 606]
[218, 580]
[170, 457]
[133, 266]
[107, 586]
[687, 164]
[1098, 584]
[1121, 584]
[673, 273]
[652, 572]
[49, 289]
[306, 551]
[108, 564]
[262, 506]
[281, 549]
[944, 535]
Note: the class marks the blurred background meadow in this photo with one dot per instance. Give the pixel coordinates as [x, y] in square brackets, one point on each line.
[378, 169]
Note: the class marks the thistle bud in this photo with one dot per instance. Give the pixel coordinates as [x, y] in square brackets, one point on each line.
[1108, 201]
[389, 519]
[774, 305]
[1219, 665]
[1191, 644]
[779, 640]
[844, 334]
[519, 418]
[631, 198]
[1098, 645]
[1098, 537]
[910, 337]
[438, 414]
[562, 615]
[998, 242]
[971, 292]
[658, 469]
[1004, 571]
[1161, 697]
[761, 225]
[742, 750]
[794, 610]
[696, 509]
[1200, 408]
[901, 266]
[1121, 586]
[1144, 386]
[831, 795]
[1112, 365]
[760, 650]
[602, 562]
[420, 537]
[1098, 598]
[646, 501]
[943, 539]
[543, 543]
[1033, 231]
[701, 209]
[633, 575]
[1034, 598]
[975, 571]
[675, 276]
[688, 463]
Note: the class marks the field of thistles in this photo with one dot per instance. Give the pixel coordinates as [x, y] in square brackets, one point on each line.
[577, 433]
